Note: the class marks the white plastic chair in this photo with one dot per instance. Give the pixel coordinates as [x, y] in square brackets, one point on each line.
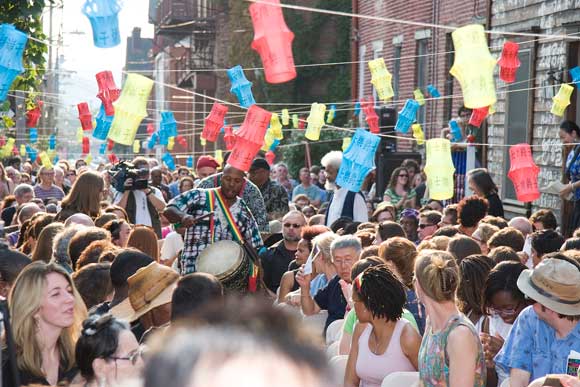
[333, 331]
[401, 379]
[338, 367]
[317, 321]
[332, 350]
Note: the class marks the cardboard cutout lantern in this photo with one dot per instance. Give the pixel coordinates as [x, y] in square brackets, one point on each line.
[104, 18]
[345, 143]
[12, 46]
[418, 134]
[52, 142]
[85, 116]
[181, 141]
[276, 127]
[33, 135]
[189, 162]
[407, 116]
[171, 143]
[331, 114]
[509, 62]
[86, 145]
[33, 115]
[439, 168]
[285, 117]
[295, 121]
[357, 108]
[273, 41]
[381, 79]
[358, 160]
[575, 75]
[478, 115]
[168, 160]
[455, 131]
[371, 116]
[241, 87]
[561, 100]
[113, 158]
[108, 92]
[315, 121]
[45, 160]
[153, 140]
[249, 138]
[136, 146]
[214, 122]
[524, 173]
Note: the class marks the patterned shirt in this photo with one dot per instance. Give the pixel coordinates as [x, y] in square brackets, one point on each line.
[573, 168]
[532, 346]
[275, 198]
[251, 196]
[52, 193]
[198, 237]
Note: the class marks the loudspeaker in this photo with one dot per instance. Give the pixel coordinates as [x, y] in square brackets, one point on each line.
[387, 122]
[386, 164]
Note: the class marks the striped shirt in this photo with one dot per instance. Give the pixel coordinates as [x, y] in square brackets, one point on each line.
[52, 193]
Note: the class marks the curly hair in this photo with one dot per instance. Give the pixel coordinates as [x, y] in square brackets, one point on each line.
[381, 292]
[509, 236]
[310, 232]
[471, 210]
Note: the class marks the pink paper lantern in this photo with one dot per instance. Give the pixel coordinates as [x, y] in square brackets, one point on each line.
[250, 138]
[214, 122]
[478, 115]
[273, 41]
[371, 116]
[270, 157]
[108, 91]
[229, 138]
[85, 116]
[509, 62]
[33, 115]
[524, 173]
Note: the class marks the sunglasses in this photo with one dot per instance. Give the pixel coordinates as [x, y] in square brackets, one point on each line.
[294, 225]
[403, 175]
[423, 225]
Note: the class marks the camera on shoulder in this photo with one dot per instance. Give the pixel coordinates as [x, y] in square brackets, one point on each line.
[126, 170]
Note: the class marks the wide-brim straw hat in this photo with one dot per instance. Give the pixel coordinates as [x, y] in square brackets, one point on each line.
[554, 283]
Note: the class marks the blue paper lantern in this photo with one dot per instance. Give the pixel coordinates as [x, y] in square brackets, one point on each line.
[163, 137]
[52, 142]
[168, 160]
[575, 75]
[358, 160]
[33, 135]
[32, 153]
[274, 145]
[103, 148]
[433, 92]
[104, 18]
[407, 116]
[55, 160]
[189, 162]
[103, 124]
[153, 141]
[168, 124]
[12, 44]
[456, 135]
[241, 87]
[357, 109]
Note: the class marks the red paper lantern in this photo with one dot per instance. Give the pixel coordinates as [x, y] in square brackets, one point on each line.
[150, 128]
[2, 140]
[85, 116]
[229, 138]
[524, 173]
[301, 123]
[273, 41]
[270, 157]
[108, 92]
[214, 122]
[110, 145]
[509, 62]
[250, 138]
[15, 151]
[33, 115]
[478, 115]
[113, 158]
[181, 141]
[86, 145]
[371, 116]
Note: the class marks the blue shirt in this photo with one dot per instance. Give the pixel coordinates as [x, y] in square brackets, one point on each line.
[532, 346]
[313, 192]
[574, 170]
[317, 283]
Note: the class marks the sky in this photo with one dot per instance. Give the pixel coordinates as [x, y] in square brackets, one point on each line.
[81, 60]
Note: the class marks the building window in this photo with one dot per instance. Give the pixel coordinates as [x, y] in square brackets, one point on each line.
[396, 70]
[449, 58]
[421, 73]
[517, 115]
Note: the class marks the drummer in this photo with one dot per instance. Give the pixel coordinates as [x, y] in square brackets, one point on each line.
[193, 210]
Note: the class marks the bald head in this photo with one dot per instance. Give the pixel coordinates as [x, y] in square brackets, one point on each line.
[522, 224]
[79, 218]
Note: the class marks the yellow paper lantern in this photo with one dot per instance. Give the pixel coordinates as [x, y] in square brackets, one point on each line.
[439, 169]
[295, 121]
[130, 109]
[268, 141]
[285, 117]
[345, 143]
[419, 97]
[381, 79]
[45, 160]
[8, 147]
[22, 150]
[473, 66]
[136, 146]
[418, 134]
[80, 135]
[276, 127]
[202, 141]
[89, 159]
[315, 121]
[561, 100]
[170, 143]
[219, 157]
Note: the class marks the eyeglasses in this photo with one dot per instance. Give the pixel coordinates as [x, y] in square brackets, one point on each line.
[403, 175]
[505, 311]
[423, 225]
[294, 225]
[133, 357]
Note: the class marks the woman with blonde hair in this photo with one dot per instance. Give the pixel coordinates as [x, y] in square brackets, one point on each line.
[85, 197]
[44, 245]
[144, 239]
[47, 314]
[451, 353]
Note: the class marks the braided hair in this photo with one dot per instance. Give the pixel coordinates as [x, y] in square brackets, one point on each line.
[473, 273]
[381, 292]
[504, 277]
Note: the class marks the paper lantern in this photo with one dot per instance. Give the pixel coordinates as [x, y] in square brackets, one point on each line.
[276, 127]
[189, 162]
[524, 173]
[45, 160]
[214, 122]
[15, 151]
[153, 140]
[202, 141]
[345, 143]
[130, 109]
[110, 145]
[113, 158]
[331, 114]
[163, 137]
[418, 134]
[85, 116]
[11, 51]
[103, 15]
[168, 160]
[168, 123]
[295, 121]
[473, 66]
[89, 159]
[575, 75]
[52, 142]
[22, 150]
[33, 135]
[371, 116]
[357, 109]
[285, 117]
[136, 146]
[407, 116]
[274, 145]
[381, 79]
[268, 141]
[270, 157]
[219, 157]
[182, 141]
[439, 168]
[358, 160]
[32, 153]
[433, 91]
[171, 143]
[315, 121]
[103, 148]
[86, 145]
[455, 131]
[103, 124]
[509, 62]
[561, 100]
[419, 97]
[273, 41]
[229, 138]
[108, 91]
[8, 146]
[33, 115]
[241, 87]
[478, 115]
[150, 128]
[249, 138]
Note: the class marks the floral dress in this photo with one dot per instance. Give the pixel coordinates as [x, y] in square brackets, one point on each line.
[433, 361]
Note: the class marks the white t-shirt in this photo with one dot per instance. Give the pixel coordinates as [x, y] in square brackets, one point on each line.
[360, 211]
[141, 213]
[172, 244]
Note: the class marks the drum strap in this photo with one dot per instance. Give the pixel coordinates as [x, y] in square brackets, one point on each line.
[253, 280]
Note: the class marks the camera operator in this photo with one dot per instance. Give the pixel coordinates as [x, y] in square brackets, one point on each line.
[142, 205]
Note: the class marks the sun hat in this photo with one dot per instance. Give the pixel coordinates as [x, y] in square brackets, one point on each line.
[554, 283]
[151, 286]
[206, 161]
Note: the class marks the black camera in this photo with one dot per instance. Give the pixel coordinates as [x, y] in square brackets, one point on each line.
[125, 170]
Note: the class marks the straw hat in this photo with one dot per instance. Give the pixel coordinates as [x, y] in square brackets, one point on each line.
[554, 283]
[151, 286]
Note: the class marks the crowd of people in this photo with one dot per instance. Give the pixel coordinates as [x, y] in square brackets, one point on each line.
[141, 276]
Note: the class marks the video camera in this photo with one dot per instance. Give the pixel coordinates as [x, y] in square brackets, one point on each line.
[126, 170]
